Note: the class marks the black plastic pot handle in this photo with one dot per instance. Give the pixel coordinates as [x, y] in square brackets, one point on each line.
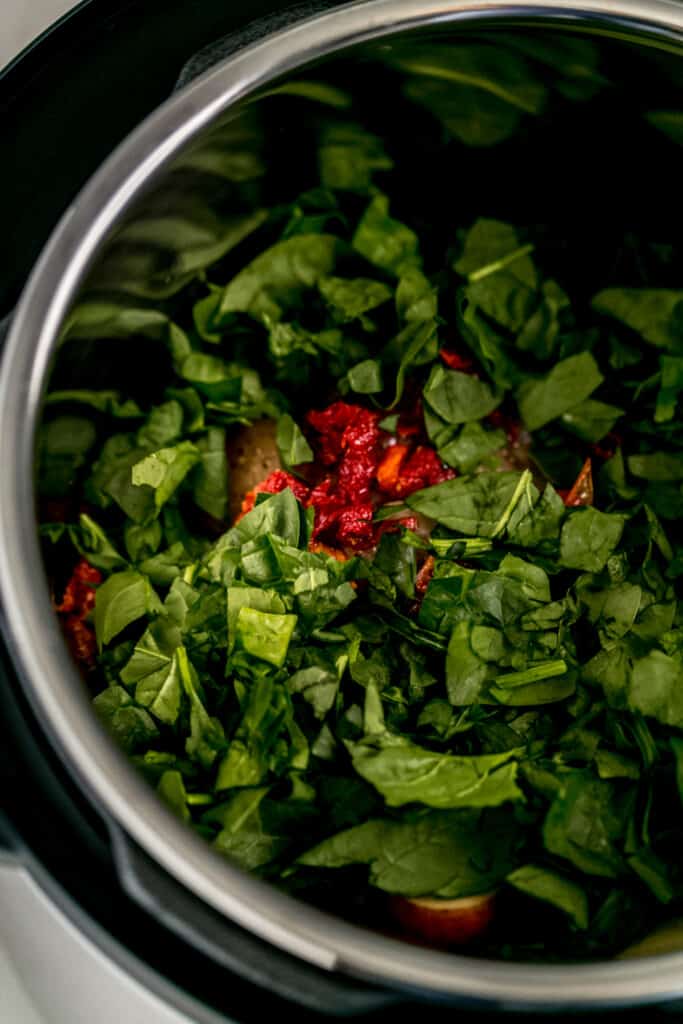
[251, 33]
[235, 948]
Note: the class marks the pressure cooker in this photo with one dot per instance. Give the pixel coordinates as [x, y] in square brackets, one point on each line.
[169, 77]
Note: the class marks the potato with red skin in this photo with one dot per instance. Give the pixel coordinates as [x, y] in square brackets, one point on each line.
[444, 922]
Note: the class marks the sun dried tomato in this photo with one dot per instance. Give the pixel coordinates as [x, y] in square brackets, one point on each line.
[324, 549]
[327, 504]
[402, 474]
[361, 431]
[77, 602]
[80, 636]
[274, 483]
[457, 361]
[330, 424]
[323, 492]
[327, 515]
[424, 576]
[389, 468]
[338, 520]
[333, 424]
[393, 525]
[582, 491]
[349, 436]
[79, 593]
[350, 443]
[355, 527]
[356, 473]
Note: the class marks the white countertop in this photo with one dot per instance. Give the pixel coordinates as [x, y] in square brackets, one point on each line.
[50, 973]
[23, 20]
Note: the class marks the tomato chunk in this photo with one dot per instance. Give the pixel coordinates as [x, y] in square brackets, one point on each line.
[78, 601]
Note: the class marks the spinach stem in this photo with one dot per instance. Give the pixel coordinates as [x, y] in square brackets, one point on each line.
[501, 264]
[524, 481]
[544, 670]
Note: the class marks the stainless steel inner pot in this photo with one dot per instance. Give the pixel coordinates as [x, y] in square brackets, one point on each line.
[114, 195]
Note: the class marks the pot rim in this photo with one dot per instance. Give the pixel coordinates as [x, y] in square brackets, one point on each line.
[48, 674]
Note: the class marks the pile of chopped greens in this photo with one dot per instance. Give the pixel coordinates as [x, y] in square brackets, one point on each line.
[490, 696]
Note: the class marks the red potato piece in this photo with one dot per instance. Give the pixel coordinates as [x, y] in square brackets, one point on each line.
[445, 922]
[252, 456]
